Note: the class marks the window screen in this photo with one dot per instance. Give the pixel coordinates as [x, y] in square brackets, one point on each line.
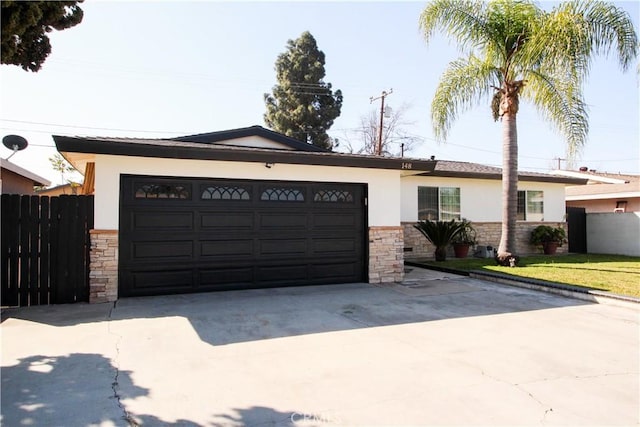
[438, 203]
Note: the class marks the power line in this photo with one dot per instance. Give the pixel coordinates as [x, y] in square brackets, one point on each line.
[311, 85]
[86, 127]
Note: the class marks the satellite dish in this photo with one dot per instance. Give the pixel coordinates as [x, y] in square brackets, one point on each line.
[15, 143]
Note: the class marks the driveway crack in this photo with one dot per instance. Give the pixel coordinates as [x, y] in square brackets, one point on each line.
[116, 367]
[522, 390]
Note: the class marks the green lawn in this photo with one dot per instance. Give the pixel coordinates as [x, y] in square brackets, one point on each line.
[614, 273]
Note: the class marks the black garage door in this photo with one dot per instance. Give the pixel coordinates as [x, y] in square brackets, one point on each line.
[191, 235]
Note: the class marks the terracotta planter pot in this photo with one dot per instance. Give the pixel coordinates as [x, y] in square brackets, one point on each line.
[550, 248]
[461, 250]
[441, 253]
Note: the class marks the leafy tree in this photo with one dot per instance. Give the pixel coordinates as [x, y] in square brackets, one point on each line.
[394, 133]
[60, 165]
[25, 25]
[515, 50]
[302, 105]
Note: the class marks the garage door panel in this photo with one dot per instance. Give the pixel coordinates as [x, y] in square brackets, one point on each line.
[335, 246]
[283, 247]
[227, 220]
[224, 276]
[335, 220]
[283, 273]
[214, 234]
[163, 219]
[154, 280]
[284, 220]
[171, 249]
[227, 248]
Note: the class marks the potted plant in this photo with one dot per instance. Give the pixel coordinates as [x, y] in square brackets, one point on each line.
[550, 238]
[440, 234]
[464, 239]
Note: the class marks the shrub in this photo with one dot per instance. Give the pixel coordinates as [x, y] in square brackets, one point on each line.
[543, 234]
[440, 234]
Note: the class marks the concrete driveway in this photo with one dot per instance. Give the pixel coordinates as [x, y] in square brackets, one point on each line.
[437, 350]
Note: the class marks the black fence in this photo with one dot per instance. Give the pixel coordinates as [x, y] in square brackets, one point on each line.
[45, 249]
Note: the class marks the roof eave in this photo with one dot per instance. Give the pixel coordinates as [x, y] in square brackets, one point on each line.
[12, 167]
[498, 177]
[87, 145]
[602, 196]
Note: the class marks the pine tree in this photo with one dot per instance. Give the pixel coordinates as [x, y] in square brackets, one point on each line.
[302, 105]
[25, 25]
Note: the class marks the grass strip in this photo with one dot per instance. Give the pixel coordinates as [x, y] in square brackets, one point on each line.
[612, 273]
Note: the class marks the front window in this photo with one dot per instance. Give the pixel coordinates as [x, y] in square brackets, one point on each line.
[438, 203]
[530, 205]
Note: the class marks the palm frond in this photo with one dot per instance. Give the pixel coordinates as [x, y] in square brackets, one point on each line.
[462, 20]
[575, 32]
[464, 83]
[512, 23]
[560, 102]
[440, 233]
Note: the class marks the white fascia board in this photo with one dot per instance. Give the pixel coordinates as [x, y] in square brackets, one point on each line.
[590, 177]
[628, 194]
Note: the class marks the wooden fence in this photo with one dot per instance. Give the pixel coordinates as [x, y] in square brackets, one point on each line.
[45, 249]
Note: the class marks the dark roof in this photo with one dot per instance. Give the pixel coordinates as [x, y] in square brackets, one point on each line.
[447, 168]
[207, 146]
[225, 135]
[178, 149]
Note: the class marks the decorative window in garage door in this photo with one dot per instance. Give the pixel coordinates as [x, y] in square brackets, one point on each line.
[222, 192]
[333, 195]
[282, 194]
[163, 191]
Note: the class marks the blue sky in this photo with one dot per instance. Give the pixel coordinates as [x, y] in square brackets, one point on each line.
[168, 68]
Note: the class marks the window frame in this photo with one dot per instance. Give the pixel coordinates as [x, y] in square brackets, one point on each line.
[424, 206]
[524, 209]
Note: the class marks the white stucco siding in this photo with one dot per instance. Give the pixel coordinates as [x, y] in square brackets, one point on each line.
[554, 204]
[383, 185]
[255, 142]
[480, 199]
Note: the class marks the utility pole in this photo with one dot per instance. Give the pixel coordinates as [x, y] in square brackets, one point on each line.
[381, 97]
[559, 160]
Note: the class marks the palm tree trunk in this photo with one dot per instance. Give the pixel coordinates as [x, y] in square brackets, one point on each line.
[509, 183]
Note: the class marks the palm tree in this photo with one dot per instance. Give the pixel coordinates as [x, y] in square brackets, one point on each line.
[515, 50]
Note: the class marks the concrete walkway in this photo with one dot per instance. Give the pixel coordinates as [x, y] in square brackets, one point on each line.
[437, 350]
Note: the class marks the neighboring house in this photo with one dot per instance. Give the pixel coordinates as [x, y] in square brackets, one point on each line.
[17, 180]
[610, 207]
[604, 192]
[250, 208]
[61, 190]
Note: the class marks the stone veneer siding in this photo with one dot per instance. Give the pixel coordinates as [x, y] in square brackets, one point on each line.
[488, 234]
[386, 256]
[103, 275]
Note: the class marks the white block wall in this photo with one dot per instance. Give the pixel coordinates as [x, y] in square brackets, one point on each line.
[613, 233]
